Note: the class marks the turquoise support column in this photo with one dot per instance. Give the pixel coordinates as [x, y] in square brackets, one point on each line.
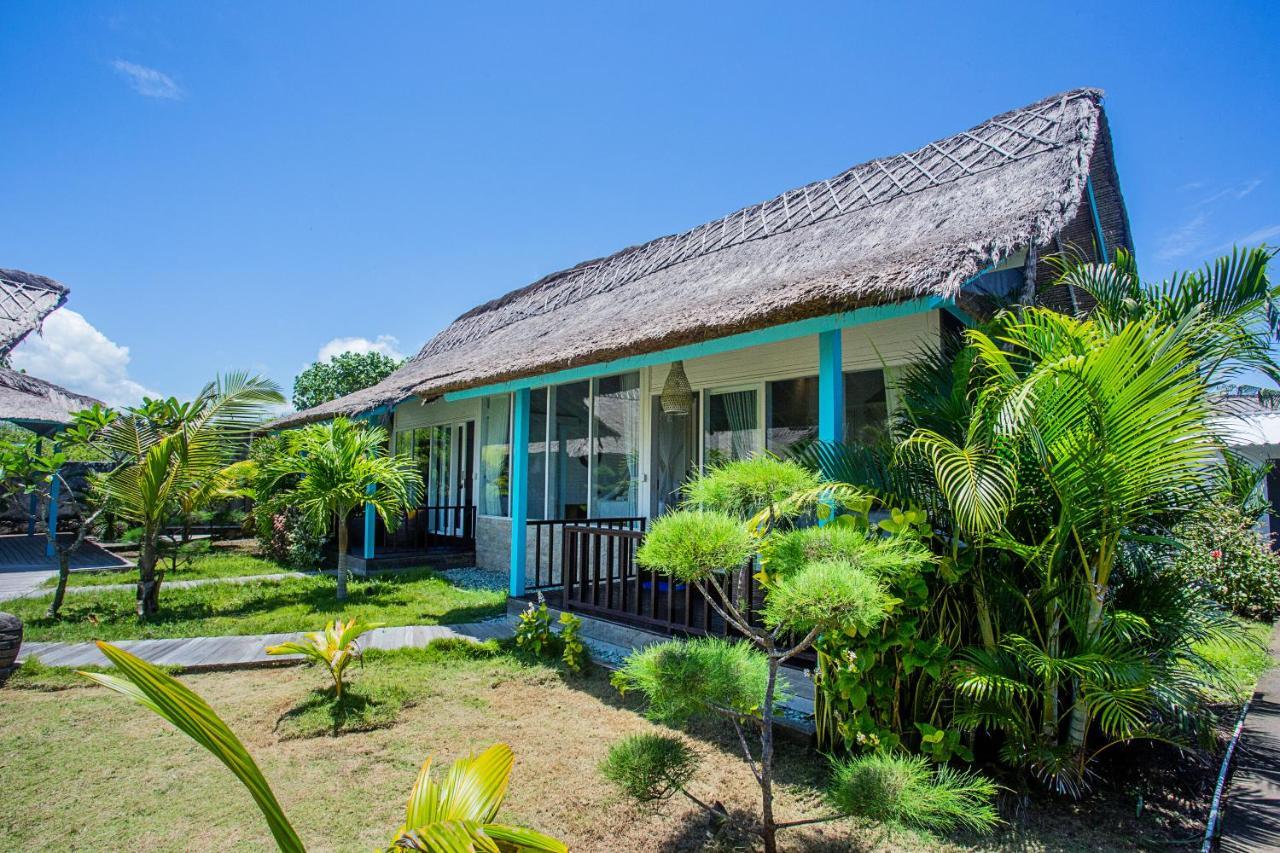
[54, 487]
[830, 387]
[370, 524]
[519, 491]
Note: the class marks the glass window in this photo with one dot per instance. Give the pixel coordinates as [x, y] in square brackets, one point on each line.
[569, 454]
[616, 440]
[866, 412]
[791, 412]
[733, 427]
[495, 455]
[537, 503]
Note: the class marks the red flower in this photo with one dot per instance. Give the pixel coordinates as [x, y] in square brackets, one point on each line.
[1216, 553]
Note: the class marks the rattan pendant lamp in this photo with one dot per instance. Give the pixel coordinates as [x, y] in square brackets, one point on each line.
[677, 396]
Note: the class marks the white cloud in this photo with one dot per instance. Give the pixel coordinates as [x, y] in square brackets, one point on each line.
[72, 353]
[148, 81]
[1183, 240]
[1262, 235]
[388, 345]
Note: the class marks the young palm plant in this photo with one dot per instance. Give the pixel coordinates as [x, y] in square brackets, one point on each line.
[166, 450]
[335, 647]
[455, 814]
[339, 466]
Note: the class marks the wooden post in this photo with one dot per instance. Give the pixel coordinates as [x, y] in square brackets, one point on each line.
[519, 491]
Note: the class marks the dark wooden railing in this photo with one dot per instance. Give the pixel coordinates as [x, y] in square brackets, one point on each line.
[602, 578]
[420, 528]
[546, 544]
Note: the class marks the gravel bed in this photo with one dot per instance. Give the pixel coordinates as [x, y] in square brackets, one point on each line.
[474, 578]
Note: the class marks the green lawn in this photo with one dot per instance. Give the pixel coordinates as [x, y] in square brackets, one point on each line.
[1241, 665]
[201, 568]
[414, 597]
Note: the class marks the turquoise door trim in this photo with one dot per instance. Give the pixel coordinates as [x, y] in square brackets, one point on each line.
[55, 486]
[1097, 223]
[370, 524]
[772, 334]
[519, 491]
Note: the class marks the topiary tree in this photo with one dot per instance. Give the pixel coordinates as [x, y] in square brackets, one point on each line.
[814, 582]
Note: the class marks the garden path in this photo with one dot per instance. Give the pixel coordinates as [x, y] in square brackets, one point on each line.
[1251, 816]
[119, 587]
[194, 653]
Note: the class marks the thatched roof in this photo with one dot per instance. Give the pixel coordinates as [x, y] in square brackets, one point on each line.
[916, 224]
[36, 404]
[25, 300]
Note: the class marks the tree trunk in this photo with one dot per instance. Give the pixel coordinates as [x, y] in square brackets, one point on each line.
[60, 591]
[148, 579]
[769, 829]
[342, 559]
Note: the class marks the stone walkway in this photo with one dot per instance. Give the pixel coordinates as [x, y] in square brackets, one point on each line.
[195, 653]
[1251, 813]
[118, 587]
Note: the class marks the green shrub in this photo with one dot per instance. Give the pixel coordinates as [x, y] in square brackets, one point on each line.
[533, 631]
[691, 545]
[574, 652]
[687, 678]
[906, 790]
[746, 486]
[649, 767]
[1230, 560]
[886, 557]
[285, 538]
[833, 593]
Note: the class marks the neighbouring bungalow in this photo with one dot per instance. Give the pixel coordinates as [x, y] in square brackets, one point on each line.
[780, 322]
[26, 299]
[1249, 424]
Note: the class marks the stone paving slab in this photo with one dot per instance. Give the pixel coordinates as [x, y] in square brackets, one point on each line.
[223, 652]
[1251, 815]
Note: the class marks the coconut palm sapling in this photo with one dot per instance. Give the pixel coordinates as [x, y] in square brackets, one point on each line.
[740, 506]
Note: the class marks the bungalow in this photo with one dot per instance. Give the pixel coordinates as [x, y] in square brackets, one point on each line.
[552, 422]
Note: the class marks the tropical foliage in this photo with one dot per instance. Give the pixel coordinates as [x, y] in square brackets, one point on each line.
[325, 471]
[1223, 554]
[455, 813]
[342, 374]
[1055, 458]
[334, 647]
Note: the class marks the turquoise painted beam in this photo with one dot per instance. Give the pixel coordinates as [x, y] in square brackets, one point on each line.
[370, 524]
[772, 334]
[1097, 223]
[55, 486]
[519, 491]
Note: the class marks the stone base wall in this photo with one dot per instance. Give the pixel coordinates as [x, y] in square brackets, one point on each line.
[493, 549]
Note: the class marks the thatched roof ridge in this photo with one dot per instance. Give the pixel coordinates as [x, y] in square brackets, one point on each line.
[33, 402]
[914, 224]
[25, 300]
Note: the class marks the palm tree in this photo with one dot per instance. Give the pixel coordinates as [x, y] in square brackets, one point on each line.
[168, 451]
[341, 465]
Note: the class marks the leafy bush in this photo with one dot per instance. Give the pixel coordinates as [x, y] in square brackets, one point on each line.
[691, 545]
[649, 767]
[290, 542]
[1230, 560]
[686, 678]
[834, 593]
[533, 631]
[747, 486]
[906, 790]
[574, 653]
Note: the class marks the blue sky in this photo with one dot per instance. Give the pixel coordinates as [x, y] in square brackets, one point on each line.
[240, 185]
